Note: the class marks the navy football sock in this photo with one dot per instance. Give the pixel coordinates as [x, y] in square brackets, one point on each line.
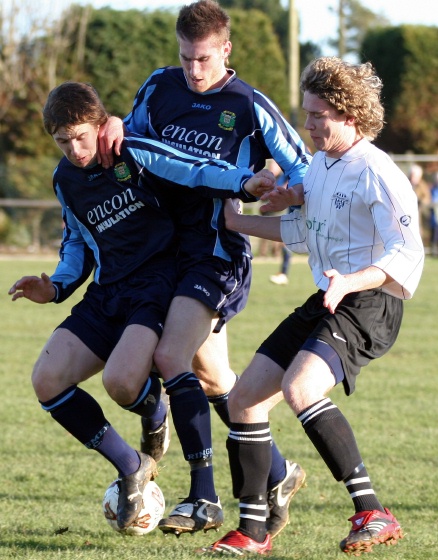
[81, 415]
[191, 418]
[148, 404]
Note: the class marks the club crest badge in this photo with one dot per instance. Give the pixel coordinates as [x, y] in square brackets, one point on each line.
[227, 120]
[122, 172]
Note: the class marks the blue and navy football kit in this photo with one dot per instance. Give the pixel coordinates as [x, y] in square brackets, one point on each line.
[117, 222]
[235, 123]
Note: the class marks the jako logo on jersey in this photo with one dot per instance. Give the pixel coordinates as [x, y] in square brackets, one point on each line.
[340, 200]
[94, 176]
[201, 106]
[405, 220]
[227, 120]
[202, 289]
[121, 171]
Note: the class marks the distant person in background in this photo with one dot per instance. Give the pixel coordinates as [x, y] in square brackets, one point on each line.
[422, 190]
[434, 217]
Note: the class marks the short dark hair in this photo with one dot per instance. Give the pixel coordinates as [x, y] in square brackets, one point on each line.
[73, 103]
[202, 19]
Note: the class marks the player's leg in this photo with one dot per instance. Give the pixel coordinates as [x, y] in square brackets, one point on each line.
[314, 372]
[211, 365]
[64, 362]
[187, 326]
[249, 450]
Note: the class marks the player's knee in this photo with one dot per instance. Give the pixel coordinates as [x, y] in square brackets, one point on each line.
[47, 383]
[170, 361]
[237, 401]
[121, 389]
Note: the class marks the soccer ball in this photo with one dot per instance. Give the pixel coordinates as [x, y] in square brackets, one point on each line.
[149, 516]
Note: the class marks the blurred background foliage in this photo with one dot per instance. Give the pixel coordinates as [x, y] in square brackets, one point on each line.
[117, 50]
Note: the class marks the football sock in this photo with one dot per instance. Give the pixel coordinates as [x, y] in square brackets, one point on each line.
[332, 436]
[115, 449]
[148, 403]
[278, 463]
[191, 418]
[361, 492]
[81, 415]
[249, 452]
[220, 405]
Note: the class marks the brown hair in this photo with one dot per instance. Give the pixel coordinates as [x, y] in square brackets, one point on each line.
[73, 103]
[353, 89]
[202, 19]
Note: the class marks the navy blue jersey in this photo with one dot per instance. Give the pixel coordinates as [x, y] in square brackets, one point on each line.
[118, 219]
[235, 123]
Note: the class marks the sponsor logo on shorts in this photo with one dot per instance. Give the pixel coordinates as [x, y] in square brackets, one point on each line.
[405, 220]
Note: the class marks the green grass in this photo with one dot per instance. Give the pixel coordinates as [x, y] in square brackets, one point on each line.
[50, 482]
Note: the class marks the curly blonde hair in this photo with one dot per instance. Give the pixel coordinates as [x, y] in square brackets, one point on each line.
[353, 89]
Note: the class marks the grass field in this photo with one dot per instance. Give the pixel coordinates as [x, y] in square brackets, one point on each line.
[51, 487]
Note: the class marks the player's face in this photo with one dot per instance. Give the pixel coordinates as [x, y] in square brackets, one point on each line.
[331, 132]
[78, 143]
[204, 62]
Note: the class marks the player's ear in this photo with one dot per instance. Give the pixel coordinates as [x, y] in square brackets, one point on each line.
[227, 49]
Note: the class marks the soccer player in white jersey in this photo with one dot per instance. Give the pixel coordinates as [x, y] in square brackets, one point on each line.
[359, 225]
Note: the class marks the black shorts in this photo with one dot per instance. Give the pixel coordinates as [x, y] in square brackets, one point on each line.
[143, 298]
[364, 327]
[220, 285]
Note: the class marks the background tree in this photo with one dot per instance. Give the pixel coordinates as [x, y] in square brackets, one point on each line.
[257, 56]
[406, 58]
[354, 21]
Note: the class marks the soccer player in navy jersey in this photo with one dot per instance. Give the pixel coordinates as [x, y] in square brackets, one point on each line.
[359, 224]
[117, 223]
[203, 108]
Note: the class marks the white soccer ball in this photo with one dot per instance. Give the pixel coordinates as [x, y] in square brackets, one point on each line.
[149, 516]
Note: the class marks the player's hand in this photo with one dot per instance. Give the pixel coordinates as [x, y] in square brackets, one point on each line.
[260, 183]
[38, 290]
[281, 198]
[110, 138]
[339, 286]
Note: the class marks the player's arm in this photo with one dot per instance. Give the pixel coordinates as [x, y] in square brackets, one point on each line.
[76, 257]
[211, 178]
[33, 288]
[266, 227]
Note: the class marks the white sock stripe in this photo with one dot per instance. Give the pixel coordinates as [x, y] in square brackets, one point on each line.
[317, 406]
[362, 493]
[318, 412]
[265, 431]
[258, 440]
[357, 481]
[252, 506]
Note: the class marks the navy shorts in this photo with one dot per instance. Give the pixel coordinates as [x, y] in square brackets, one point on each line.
[143, 298]
[220, 285]
[364, 327]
